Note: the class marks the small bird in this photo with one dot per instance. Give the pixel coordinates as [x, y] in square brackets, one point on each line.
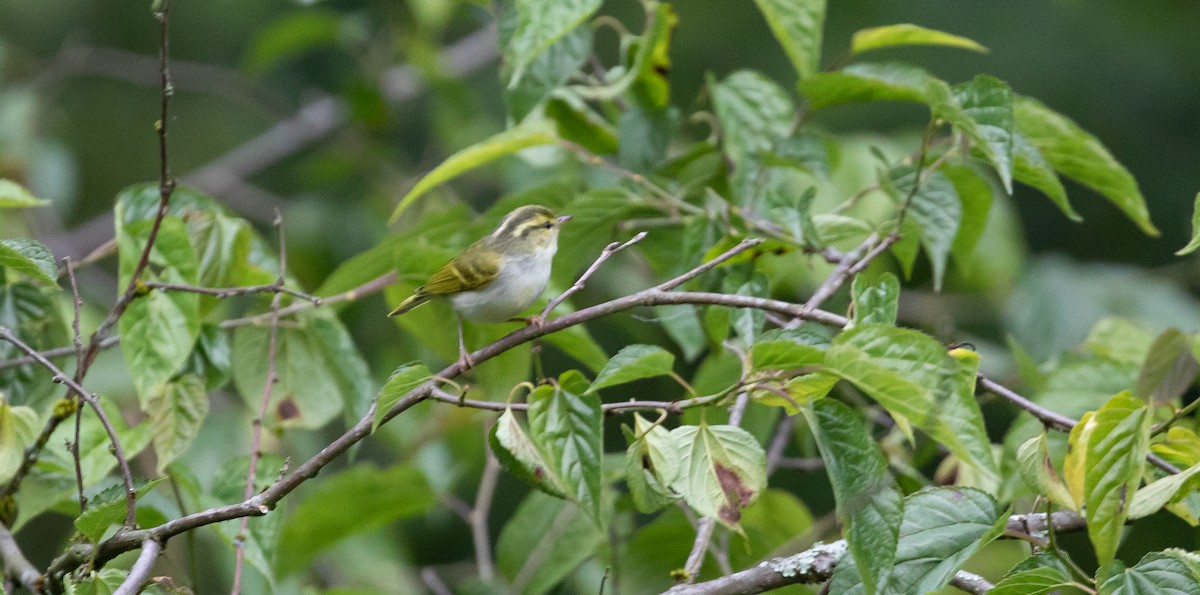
[498, 276]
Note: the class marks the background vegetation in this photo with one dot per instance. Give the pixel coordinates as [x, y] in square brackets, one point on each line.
[697, 123]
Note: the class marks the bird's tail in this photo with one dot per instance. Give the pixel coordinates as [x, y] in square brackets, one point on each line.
[413, 301]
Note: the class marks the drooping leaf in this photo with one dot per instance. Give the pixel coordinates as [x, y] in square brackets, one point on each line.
[1035, 581]
[988, 102]
[651, 464]
[937, 211]
[1039, 473]
[402, 380]
[634, 362]
[36, 319]
[485, 151]
[565, 422]
[975, 195]
[942, 528]
[518, 454]
[797, 25]
[722, 470]
[1169, 572]
[1195, 241]
[866, 81]
[547, 72]
[14, 196]
[875, 302]
[869, 505]
[322, 519]
[1082, 157]
[18, 428]
[537, 25]
[1031, 169]
[874, 38]
[176, 411]
[30, 258]
[755, 114]
[543, 542]
[1158, 493]
[911, 375]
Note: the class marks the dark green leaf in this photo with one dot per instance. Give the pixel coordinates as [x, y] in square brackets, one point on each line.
[876, 302]
[1082, 157]
[30, 258]
[936, 209]
[869, 504]
[1169, 572]
[988, 102]
[322, 519]
[866, 81]
[543, 542]
[36, 319]
[755, 114]
[403, 379]
[210, 359]
[566, 425]
[547, 72]
[797, 25]
[176, 410]
[108, 508]
[536, 26]
[976, 197]
[874, 38]
[634, 362]
[1031, 169]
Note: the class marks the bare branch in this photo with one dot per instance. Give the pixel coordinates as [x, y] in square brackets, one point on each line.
[608, 251]
[479, 515]
[141, 569]
[228, 292]
[744, 245]
[15, 564]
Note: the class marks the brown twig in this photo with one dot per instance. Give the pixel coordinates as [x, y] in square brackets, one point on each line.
[479, 515]
[228, 292]
[841, 273]
[77, 337]
[779, 442]
[256, 433]
[608, 251]
[374, 285]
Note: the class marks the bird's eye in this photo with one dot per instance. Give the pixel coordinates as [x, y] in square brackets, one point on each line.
[548, 224]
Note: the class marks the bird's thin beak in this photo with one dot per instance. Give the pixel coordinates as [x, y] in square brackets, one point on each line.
[564, 219]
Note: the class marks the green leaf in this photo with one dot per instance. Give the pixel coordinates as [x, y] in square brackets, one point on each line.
[380, 496]
[1195, 241]
[260, 541]
[578, 343]
[755, 114]
[1158, 493]
[1114, 442]
[497, 146]
[722, 471]
[210, 359]
[518, 454]
[782, 354]
[840, 231]
[1169, 572]
[936, 210]
[30, 258]
[651, 464]
[565, 423]
[176, 410]
[869, 504]
[1169, 368]
[797, 25]
[13, 195]
[1082, 157]
[594, 218]
[108, 508]
[875, 302]
[18, 428]
[1036, 468]
[988, 102]
[548, 71]
[634, 362]
[874, 38]
[1036, 581]
[37, 320]
[976, 197]
[544, 541]
[1031, 169]
[402, 380]
[652, 62]
[866, 81]
[912, 376]
[290, 36]
[105, 582]
[942, 528]
[537, 25]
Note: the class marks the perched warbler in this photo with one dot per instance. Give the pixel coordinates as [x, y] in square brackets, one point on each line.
[498, 276]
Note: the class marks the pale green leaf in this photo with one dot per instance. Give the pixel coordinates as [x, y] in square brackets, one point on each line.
[485, 151]
[875, 301]
[634, 362]
[782, 354]
[521, 457]
[537, 25]
[976, 197]
[402, 380]
[13, 195]
[874, 38]
[651, 464]
[1169, 367]
[30, 258]
[1031, 169]
[797, 25]
[18, 428]
[1116, 449]
[1195, 241]
[1153, 496]
[176, 410]
[1035, 581]
[755, 114]
[1082, 157]
[543, 542]
[988, 102]
[722, 470]
[1036, 468]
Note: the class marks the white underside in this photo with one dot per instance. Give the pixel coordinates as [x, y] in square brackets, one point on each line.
[519, 282]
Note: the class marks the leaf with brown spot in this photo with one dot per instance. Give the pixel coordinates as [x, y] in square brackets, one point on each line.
[721, 471]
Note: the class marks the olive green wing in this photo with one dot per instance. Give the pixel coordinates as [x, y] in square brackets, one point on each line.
[471, 270]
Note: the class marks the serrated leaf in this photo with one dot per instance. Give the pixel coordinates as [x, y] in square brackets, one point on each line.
[565, 423]
[937, 211]
[782, 354]
[651, 464]
[904, 34]
[876, 301]
[547, 72]
[866, 81]
[869, 504]
[108, 508]
[402, 380]
[30, 258]
[37, 320]
[176, 411]
[1035, 581]
[634, 362]
[722, 470]
[755, 114]
[322, 518]
[1036, 468]
[942, 528]
[1195, 241]
[518, 454]
[1031, 169]
[988, 102]
[537, 25]
[797, 25]
[485, 151]
[911, 375]
[14, 195]
[18, 428]
[1117, 438]
[1169, 572]
[1082, 157]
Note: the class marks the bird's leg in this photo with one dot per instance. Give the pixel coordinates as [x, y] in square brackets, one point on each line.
[464, 358]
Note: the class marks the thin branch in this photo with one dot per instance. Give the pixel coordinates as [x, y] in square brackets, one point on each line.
[373, 286]
[971, 583]
[801, 463]
[712, 264]
[7, 334]
[433, 582]
[479, 516]
[437, 394]
[73, 447]
[256, 433]
[706, 525]
[840, 273]
[228, 292]
[779, 442]
[15, 564]
[141, 569]
[608, 251]
[54, 353]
